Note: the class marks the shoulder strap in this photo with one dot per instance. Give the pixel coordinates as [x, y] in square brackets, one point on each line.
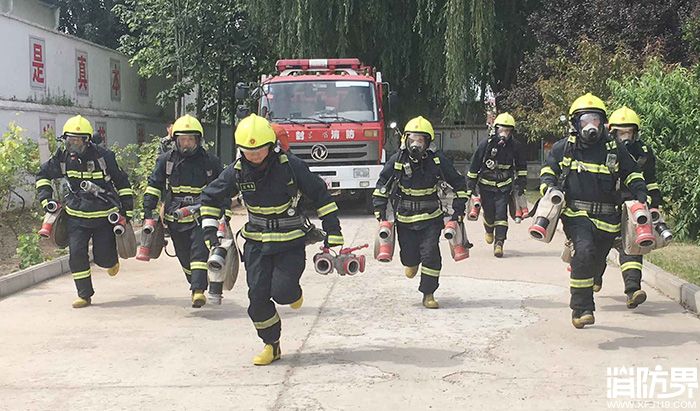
[566, 160]
[103, 165]
[169, 164]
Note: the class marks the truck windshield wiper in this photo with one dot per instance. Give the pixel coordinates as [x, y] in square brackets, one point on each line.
[295, 120]
[343, 119]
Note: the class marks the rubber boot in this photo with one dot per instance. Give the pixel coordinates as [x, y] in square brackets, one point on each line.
[198, 299]
[489, 238]
[270, 353]
[597, 284]
[581, 318]
[298, 303]
[82, 302]
[410, 271]
[112, 271]
[429, 301]
[636, 298]
[498, 249]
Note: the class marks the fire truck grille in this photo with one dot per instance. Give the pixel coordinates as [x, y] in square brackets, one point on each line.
[346, 153]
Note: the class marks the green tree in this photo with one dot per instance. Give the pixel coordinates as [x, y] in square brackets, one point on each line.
[570, 79]
[91, 20]
[667, 98]
[439, 54]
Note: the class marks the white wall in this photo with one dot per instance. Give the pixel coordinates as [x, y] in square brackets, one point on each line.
[35, 11]
[464, 138]
[18, 100]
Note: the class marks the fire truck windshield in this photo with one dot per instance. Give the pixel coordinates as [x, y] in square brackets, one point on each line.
[321, 100]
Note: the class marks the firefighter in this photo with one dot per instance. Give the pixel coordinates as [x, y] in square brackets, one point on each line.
[87, 208]
[179, 177]
[624, 127]
[409, 181]
[498, 168]
[588, 166]
[271, 183]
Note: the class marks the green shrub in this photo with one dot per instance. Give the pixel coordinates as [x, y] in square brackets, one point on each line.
[138, 160]
[28, 250]
[19, 161]
[667, 98]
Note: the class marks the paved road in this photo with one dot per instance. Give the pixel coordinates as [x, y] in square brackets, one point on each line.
[502, 340]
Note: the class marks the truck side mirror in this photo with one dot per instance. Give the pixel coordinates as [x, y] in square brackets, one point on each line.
[242, 112]
[241, 91]
[393, 100]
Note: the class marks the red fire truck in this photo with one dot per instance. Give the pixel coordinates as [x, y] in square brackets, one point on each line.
[329, 112]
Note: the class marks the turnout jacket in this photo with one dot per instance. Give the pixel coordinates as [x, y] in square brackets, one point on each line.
[412, 187]
[271, 193]
[179, 180]
[646, 160]
[97, 165]
[594, 175]
[497, 165]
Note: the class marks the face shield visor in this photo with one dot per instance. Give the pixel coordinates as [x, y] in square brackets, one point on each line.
[417, 145]
[75, 144]
[625, 135]
[590, 127]
[187, 143]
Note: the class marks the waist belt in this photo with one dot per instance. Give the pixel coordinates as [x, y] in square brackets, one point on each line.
[427, 205]
[594, 208]
[187, 200]
[276, 223]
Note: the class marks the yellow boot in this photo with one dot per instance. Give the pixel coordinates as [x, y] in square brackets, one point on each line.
[429, 301]
[636, 298]
[298, 303]
[498, 249]
[489, 238]
[410, 271]
[198, 299]
[580, 319]
[112, 271]
[270, 353]
[81, 302]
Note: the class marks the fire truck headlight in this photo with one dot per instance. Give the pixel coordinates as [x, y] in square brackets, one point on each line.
[371, 133]
[360, 172]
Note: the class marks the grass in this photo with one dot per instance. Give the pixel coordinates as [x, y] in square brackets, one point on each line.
[681, 259]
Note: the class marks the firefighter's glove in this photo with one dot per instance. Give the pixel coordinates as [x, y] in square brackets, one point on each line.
[333, 239]
[210, 237]
[380, 214]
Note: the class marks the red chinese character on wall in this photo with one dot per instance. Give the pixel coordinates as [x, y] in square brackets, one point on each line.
[38, 67]
[116, 86]
[82, 73]
[115, 73]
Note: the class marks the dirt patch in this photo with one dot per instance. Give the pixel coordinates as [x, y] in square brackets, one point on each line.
[12, 225]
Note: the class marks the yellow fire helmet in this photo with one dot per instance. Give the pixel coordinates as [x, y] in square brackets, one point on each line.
[587, 102]
[419, 125]
[187, 125]
[504, 120]
[78, 126]
[624, 117]
[254, 132]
